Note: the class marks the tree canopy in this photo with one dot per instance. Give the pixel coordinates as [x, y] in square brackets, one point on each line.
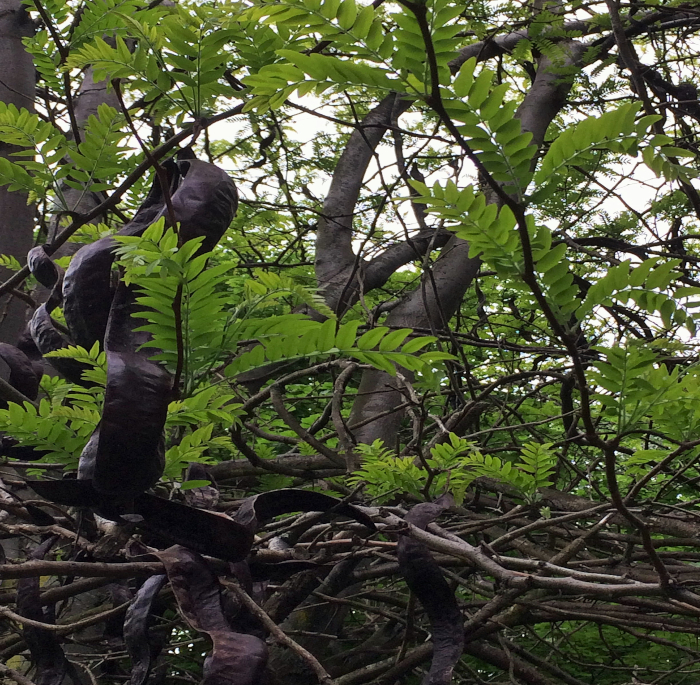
[349, 343]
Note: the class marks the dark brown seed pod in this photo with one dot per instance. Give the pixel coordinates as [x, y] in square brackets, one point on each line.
[205, 202]
[236, 658]
[260, 508]
[130, 450]
[44, 647]
[48, 338]
[23, 375]
[207, 532]
[136, 622]
[43, 268]
[67, 492]
[11, 449]
[425, 579]
[87, 285]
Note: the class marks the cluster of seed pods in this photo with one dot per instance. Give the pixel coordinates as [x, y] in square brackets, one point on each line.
[124, 457]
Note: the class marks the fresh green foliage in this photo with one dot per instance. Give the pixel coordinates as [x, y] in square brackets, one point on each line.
[185, 307]
[555, 362]
[452, 467]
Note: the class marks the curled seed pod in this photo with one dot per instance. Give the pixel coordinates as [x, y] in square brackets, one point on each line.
[236, 658]
[425, 579]
[265, 506]
[130, 450]
[44, 647]
[48, 339]
[204, 203]
[43, 268]
[23, 375]
[26, 344]
[138, 645]
[129, 456]
[87, 286]
[42, 328]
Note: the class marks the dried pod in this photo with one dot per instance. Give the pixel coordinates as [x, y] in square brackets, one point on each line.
[425, 579]
[130, 449]
[10, 448]
[236, 658]
[204, 203]
[207, 532]
[43, 268]
[45, 649]
[26, 344]
[48, 338]
[23, 376]
[136, 621]
[87, 286]
[67, 492]
[265, 506]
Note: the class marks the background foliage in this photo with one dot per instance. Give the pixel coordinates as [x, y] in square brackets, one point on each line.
[465, 261]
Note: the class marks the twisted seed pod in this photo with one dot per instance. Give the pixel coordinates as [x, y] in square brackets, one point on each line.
[425, 579]
[23, 376]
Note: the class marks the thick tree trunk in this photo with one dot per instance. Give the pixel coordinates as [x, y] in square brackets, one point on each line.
[87, 101]
[440, 292]
[17, 84]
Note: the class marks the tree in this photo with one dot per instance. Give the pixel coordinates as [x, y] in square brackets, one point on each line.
[461, 282]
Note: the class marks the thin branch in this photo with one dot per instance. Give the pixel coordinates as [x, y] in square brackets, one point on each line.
[279, 635]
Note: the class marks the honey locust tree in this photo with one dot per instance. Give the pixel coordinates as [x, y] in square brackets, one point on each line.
[463, 270]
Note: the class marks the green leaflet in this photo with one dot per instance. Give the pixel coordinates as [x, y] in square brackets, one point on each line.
[455, 464]
[377, 347]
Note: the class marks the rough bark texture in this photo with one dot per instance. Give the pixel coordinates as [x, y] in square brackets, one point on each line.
[16, 217]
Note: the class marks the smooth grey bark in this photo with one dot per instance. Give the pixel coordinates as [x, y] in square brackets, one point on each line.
[341, 274]
[17, 84]
[86, 102]
[433, 303]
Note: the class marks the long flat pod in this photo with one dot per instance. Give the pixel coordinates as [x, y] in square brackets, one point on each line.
[260, 508]
[425, 579]
[205, 202]
[136, 624]
[44, 647]
[207, 532]
[87, 286]
[23, 376]
[236, 658]
[130, 450]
